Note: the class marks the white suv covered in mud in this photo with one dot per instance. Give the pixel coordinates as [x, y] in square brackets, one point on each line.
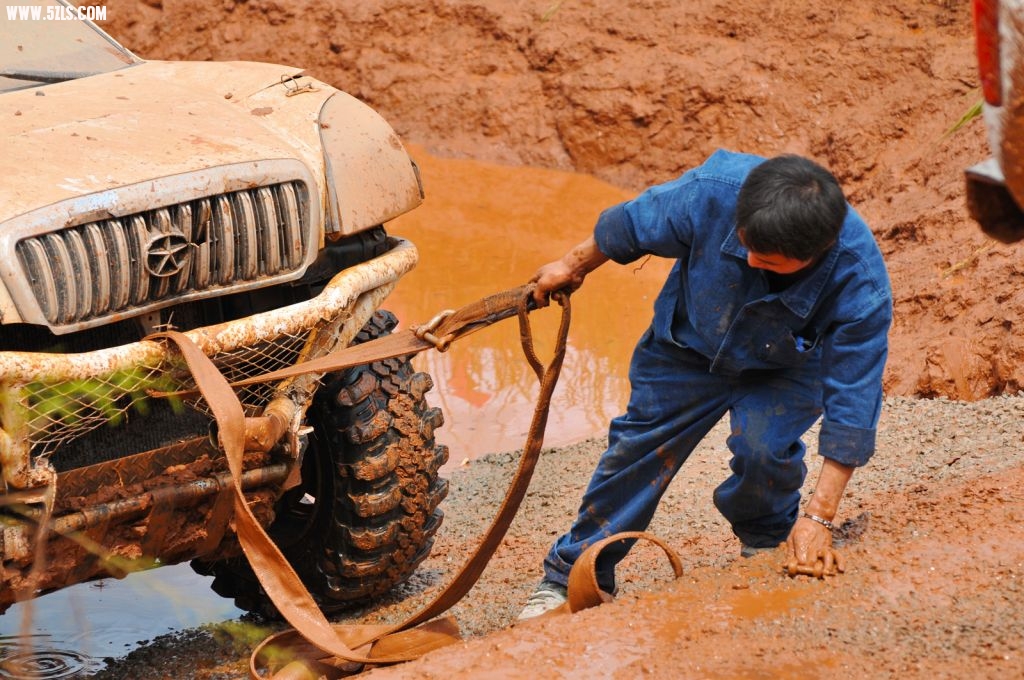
[242, 204]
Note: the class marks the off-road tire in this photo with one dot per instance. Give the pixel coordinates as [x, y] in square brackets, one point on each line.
[372, 470]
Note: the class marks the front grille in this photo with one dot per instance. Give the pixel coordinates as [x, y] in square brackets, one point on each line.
[112, 266]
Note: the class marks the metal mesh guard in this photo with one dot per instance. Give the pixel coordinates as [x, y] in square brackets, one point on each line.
[54, 412]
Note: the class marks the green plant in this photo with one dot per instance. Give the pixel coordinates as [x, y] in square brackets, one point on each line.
[67, 402]
[973, 112]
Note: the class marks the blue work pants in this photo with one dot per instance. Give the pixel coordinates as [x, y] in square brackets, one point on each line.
[674, 402]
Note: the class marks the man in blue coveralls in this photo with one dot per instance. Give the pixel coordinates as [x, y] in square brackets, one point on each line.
[776, 311]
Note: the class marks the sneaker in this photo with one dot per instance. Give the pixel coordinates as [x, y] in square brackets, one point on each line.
[548, 596]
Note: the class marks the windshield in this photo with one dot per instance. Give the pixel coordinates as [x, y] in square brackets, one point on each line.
[44, 41]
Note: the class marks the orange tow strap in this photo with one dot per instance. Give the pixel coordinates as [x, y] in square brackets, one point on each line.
[316, 648]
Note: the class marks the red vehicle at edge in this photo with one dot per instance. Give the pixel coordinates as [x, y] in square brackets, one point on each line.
[995, 187]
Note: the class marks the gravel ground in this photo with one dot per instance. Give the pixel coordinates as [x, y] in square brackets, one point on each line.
[932, 587]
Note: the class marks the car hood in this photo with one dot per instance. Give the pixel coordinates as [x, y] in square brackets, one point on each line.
[148, 121]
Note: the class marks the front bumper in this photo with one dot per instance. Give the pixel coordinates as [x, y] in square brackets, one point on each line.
[48, 400]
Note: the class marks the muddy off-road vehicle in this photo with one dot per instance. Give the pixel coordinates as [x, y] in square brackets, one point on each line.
[242, 204]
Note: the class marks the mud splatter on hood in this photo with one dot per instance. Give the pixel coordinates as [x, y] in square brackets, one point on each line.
[148, 121]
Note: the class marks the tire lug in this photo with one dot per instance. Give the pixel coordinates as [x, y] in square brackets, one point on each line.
[420, 384]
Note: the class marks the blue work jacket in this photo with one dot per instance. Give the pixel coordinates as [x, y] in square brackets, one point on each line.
[835, 314]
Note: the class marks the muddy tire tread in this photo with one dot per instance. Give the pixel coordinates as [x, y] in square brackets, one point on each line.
[374, 424]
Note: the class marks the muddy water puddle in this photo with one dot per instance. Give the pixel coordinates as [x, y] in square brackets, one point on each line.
[483, 228]
[70, 633]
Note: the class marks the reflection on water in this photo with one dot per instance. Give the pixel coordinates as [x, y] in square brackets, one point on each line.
[68, 633]
[485, 228]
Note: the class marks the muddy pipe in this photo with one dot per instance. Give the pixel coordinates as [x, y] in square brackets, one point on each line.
[262, 433]
[135, 507]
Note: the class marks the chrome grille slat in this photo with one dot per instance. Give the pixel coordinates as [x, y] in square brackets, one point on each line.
[106, 267]
[139, 281]
[64, 274]
[99, 269]
[247, 264]
[120, 279]
[289, 225]
[34, 260]
[266, 216]
[223, 240]
[80, 263]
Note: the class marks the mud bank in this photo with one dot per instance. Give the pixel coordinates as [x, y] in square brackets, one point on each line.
[634, 93]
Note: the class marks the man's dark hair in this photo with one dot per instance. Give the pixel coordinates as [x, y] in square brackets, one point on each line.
[790, 206]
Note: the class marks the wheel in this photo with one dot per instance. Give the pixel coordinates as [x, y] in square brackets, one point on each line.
[367, 510]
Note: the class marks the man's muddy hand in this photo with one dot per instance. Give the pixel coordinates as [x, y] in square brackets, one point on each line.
[553, 277]
[811, 552]
[567, 273]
